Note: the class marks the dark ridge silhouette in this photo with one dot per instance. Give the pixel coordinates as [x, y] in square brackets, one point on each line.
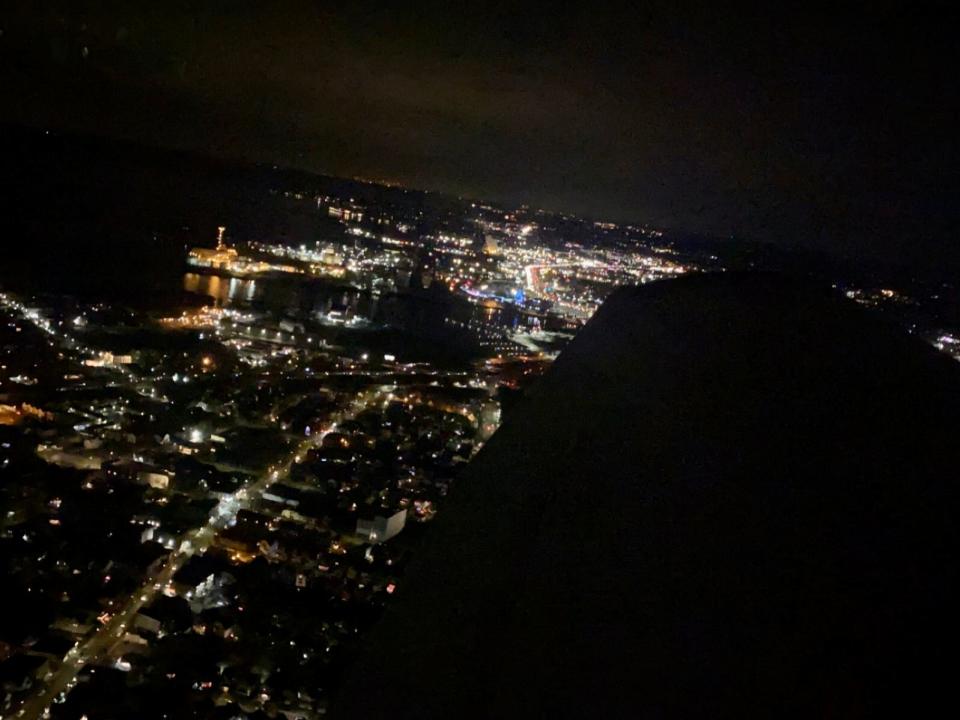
[732, 496]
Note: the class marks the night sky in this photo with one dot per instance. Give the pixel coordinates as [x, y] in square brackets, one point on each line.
[831, 132]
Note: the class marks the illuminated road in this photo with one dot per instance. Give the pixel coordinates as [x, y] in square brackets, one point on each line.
[123, 611]
[77, 351]
[194, 542]
[535, 287]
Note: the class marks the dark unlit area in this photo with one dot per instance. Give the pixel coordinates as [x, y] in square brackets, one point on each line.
[731, 495]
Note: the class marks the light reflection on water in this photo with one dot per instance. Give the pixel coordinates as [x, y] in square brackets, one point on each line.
[405, 312]
[224, 290]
